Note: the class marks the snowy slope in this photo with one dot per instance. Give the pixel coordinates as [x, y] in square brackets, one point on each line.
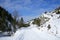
[33, 32]
[42, 33]
[54, 23]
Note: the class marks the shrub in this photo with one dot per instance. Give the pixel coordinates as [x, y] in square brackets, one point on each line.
[37, 21]
[57, 10]
[48, 26]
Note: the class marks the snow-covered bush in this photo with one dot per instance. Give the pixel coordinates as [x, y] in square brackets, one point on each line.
[57, 10]
[37, 21]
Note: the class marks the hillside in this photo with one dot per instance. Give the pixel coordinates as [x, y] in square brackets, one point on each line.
[48, 30]
[45, 27]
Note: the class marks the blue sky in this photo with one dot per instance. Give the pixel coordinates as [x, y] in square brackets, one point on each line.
[29, 8]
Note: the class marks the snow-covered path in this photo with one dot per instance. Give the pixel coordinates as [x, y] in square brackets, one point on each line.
[34, 34]
[31, 34]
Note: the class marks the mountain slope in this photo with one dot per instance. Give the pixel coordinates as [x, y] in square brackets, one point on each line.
[49, 28]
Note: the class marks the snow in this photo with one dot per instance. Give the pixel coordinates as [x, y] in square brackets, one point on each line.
[33, 32]
[5, 38]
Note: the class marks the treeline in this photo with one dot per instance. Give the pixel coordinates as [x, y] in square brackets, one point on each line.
[9, 22]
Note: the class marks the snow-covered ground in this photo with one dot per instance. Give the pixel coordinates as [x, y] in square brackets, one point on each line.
[5, 38]
[33, 32]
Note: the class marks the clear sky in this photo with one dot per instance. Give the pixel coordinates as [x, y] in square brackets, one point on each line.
[29, 8]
